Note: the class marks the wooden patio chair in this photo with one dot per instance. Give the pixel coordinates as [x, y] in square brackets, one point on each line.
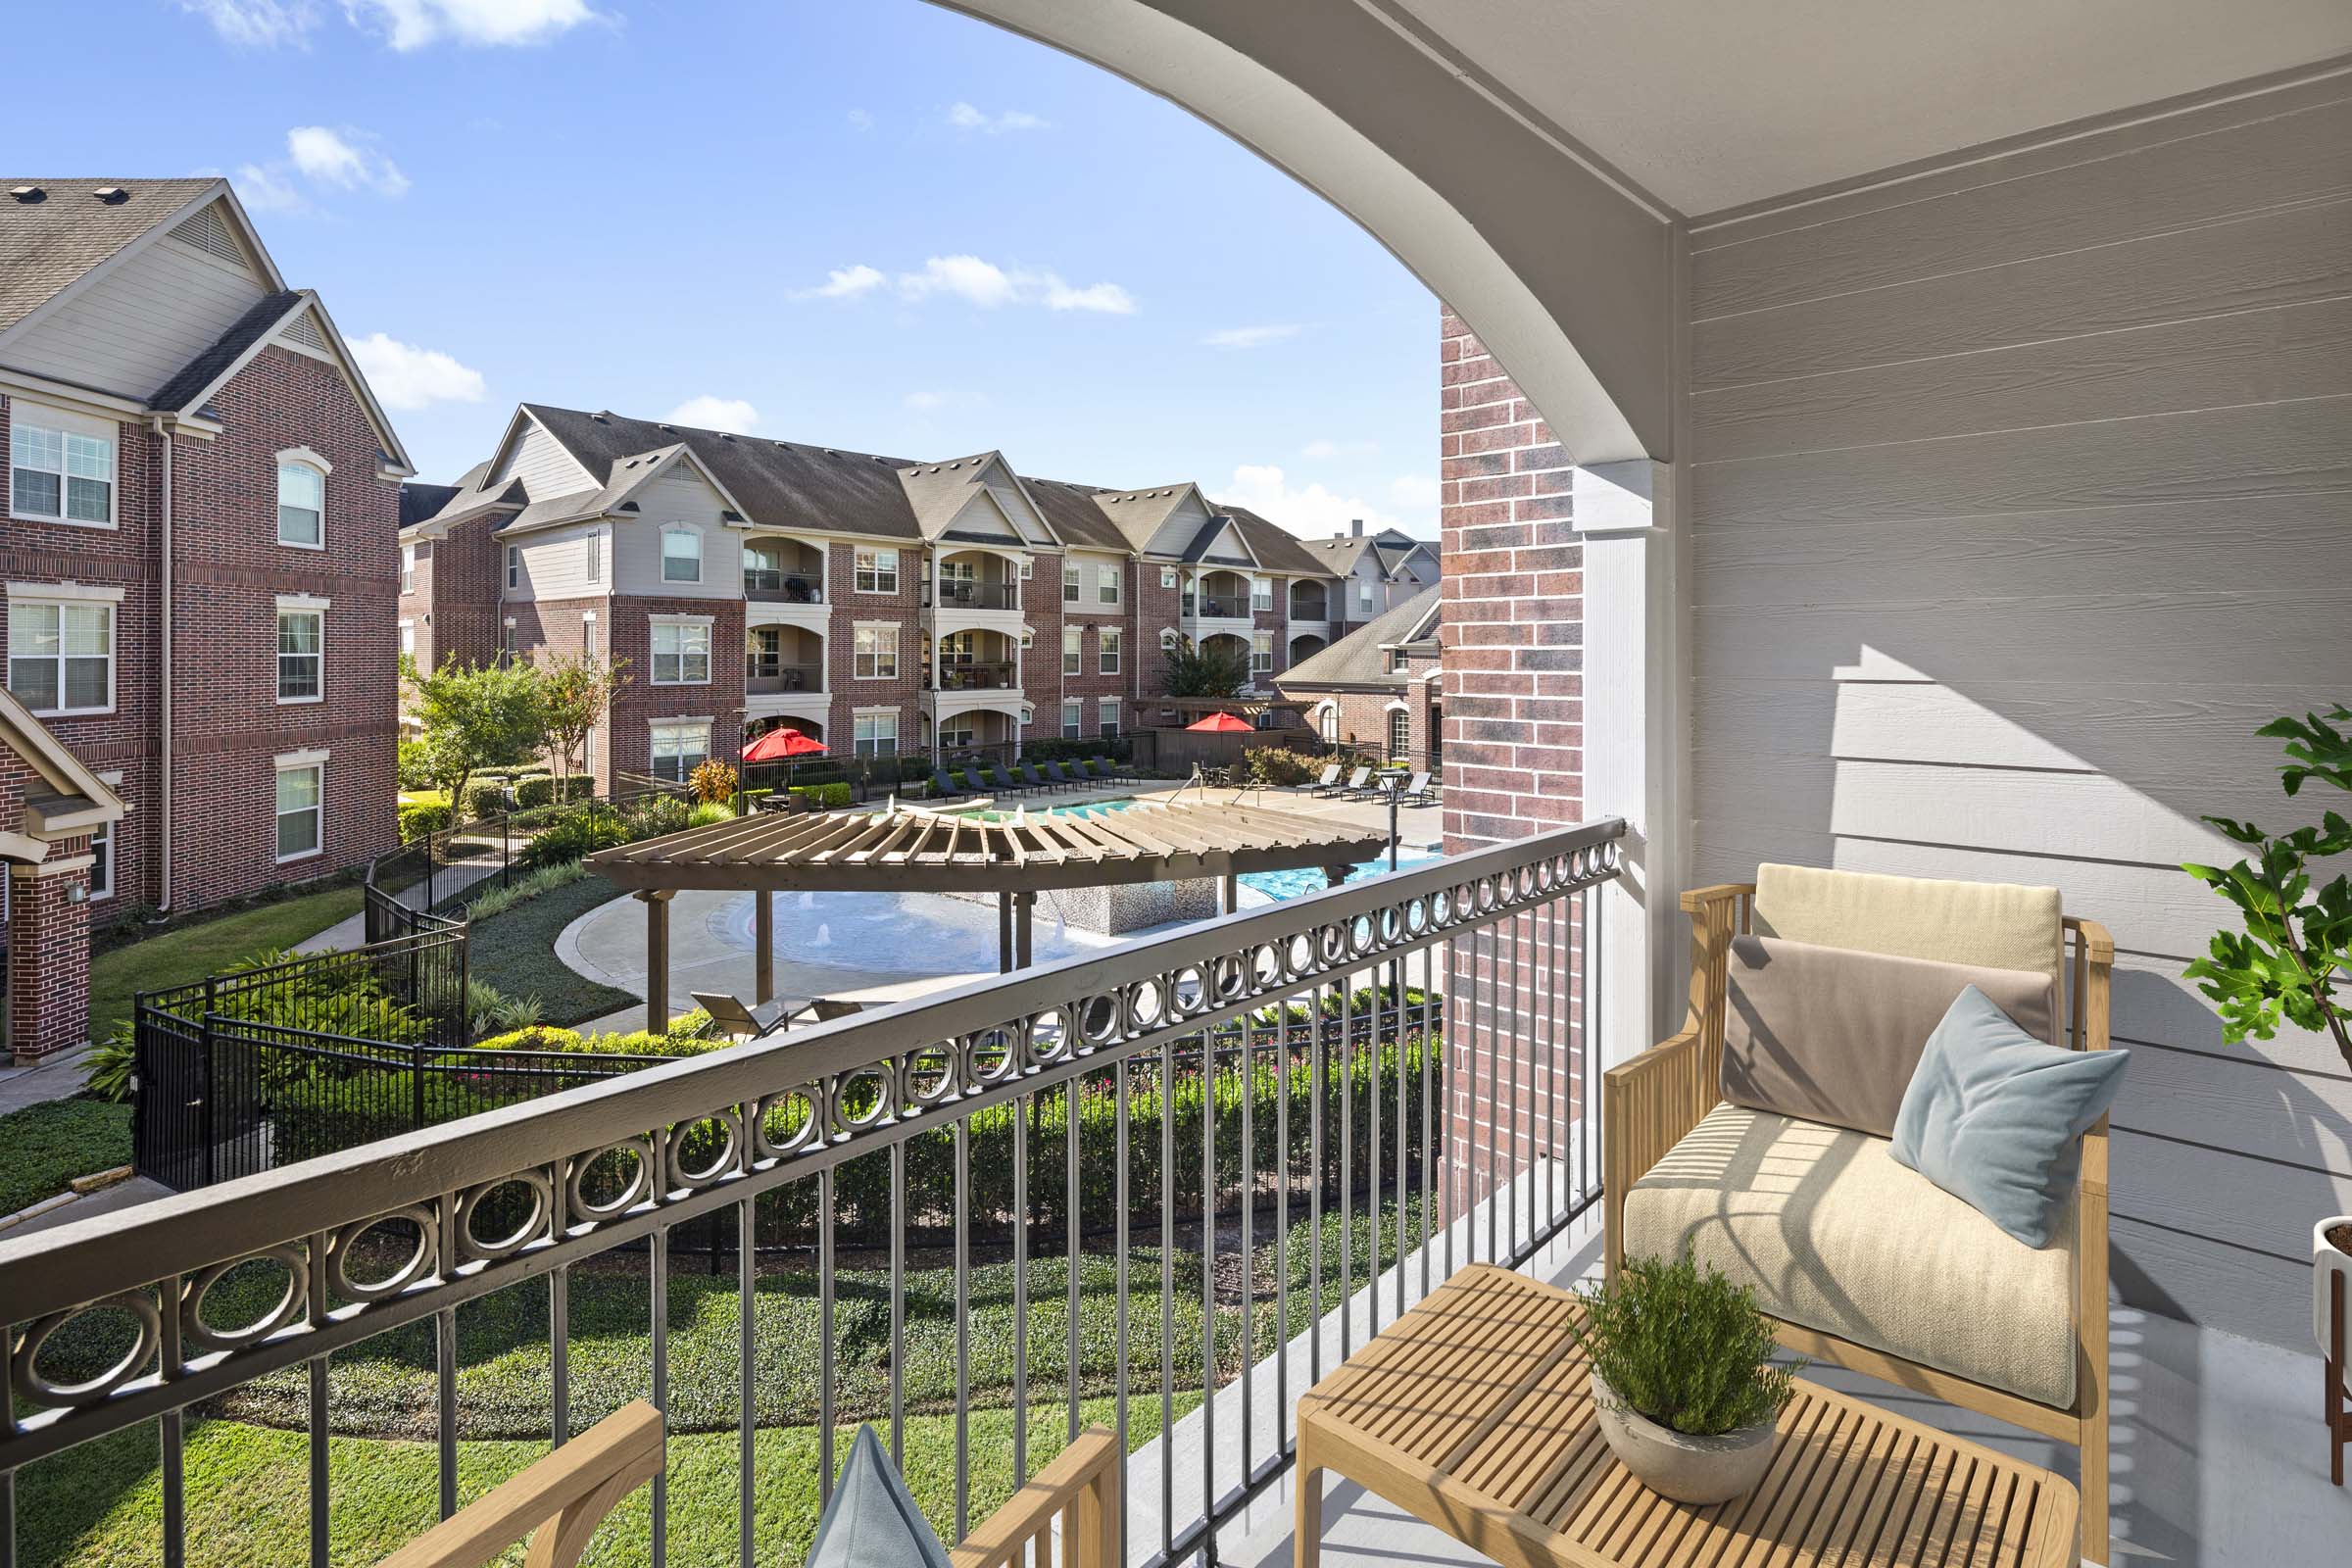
[733, 1019]
[1777, 1201]
[555, 1502]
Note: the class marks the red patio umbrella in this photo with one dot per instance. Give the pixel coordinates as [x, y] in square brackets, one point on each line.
[781, 745]
[1222, 724]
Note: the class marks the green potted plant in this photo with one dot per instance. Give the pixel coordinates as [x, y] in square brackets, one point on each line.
[2293, 956]
[1684, 1384]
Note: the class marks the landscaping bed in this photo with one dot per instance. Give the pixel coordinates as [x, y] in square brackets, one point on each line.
[44, 1146]
[181, 953]
[514, 949]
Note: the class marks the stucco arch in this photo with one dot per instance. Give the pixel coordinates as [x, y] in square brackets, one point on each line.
[1558, 265]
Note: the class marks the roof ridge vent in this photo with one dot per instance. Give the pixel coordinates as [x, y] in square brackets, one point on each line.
[28, 194]
[723, 436]
[112, 195]
[671, 428]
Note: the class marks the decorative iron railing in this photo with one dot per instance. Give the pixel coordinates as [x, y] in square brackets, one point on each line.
[1475, 1150]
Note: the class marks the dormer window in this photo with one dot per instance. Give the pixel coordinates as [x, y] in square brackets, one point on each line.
[301, 502]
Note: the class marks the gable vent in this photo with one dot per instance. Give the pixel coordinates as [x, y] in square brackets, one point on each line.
[209, 234]
[304, 330]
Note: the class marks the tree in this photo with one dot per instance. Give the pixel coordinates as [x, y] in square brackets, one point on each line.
[2296, 949]
[575, 693]
[1195, 672]
[475, 716]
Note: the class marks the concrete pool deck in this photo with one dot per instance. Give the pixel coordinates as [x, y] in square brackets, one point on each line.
[877, 946]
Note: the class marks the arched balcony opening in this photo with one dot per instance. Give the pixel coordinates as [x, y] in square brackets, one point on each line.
[1306, 647]
[976, 579]
[782, 659]
[1219, 595]
[978, 730]
[779, 571]
[976, 660]
[1310, 601]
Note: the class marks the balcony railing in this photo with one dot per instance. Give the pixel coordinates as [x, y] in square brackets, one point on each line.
[1208, 607]
[1405, 1055]
[956, 594]
[783, 587]
[981, 676]
[766, 675]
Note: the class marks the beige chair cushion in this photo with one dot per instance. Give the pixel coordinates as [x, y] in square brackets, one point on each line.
[1993, 924]
[1837, 1237]
[1830, 1034]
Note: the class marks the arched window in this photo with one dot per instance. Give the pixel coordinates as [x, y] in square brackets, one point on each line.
[301, 501]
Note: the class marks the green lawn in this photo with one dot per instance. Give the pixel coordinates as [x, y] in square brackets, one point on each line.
[516, 952]
[207, 947]
[44, 1146]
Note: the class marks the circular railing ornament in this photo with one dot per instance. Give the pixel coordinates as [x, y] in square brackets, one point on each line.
[33, 1385]
[193, 1328]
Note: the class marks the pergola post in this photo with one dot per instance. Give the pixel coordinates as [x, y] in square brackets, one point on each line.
[1230, 885]
[1024, 917]
[657, 957]
[764, 947]
[1333, 875]
[1005, 932]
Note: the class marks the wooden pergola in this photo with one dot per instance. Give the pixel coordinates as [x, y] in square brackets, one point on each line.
[1017, 855]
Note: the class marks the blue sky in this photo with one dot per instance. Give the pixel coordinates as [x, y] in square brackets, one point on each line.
[875, 225]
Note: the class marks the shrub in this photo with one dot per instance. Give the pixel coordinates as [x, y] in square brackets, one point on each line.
[414, 765]
[428, 813]
[580, 834]
[1689, 1350]
[709, 812]
[822, 797]
[712, 780]
[492, 901]
[544, 789]
[657, 814]
[1277, 766]
[484, 797]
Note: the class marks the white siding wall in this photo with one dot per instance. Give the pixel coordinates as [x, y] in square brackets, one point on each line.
[555, 565]
[135, 328]
[984, 514]
[544, 468]
[2022, 494]
[1180, 528]
[680, 495]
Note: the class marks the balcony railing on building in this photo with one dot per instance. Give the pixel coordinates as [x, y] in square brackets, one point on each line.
[1256, 1139]
[982, 675]
[957, 593]
[1207, 607]
[782, 587]
[765, 674]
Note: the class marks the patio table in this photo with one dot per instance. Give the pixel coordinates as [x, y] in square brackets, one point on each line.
[1473, 1412]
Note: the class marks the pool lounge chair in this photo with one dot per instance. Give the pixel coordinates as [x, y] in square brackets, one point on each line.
[1353, 787]
[1329, 781]
[1417, 792]
[1035, 780]
[729, 1017]
[945, 788]
[1006, 783]
[1063, 780]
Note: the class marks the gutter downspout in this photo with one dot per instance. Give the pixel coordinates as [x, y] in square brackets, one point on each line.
[164, 622]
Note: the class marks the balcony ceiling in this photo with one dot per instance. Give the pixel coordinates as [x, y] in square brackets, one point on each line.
[1709, 106]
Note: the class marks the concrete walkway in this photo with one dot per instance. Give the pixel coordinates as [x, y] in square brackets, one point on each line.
[351, 931]
[60, 1076]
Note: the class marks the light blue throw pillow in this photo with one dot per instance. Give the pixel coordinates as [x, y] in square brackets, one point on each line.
[872, 1520]
[1996, 1117]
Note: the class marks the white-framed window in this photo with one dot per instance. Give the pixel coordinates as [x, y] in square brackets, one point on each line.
[874, 569]
[302, 653]
[1261, 652]
[1106, 651]
[1167, 576]
[506, 641]
[681, 652]
[1167, 639]
[1107, 583]
[1363, 593]
[102, 861]
[1262, 593]
[301, 502]
[596, 555]
[679, 747]
[61, 655]
[1070, 589]
[1028, 569]
[408, 569]
[513, 568]
[408, 637]
[301, 816]
[1071, 651]
[1400, 734]
[1107, 717]
[588, 635]
[1327, 724]
[959, 734]
[874, 653]
[1073, 715]
[875, 733]
[60, 469]
[681, 554]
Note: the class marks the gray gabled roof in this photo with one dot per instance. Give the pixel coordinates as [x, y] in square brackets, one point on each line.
[45, 245]
[1359, 661]
[196, 378]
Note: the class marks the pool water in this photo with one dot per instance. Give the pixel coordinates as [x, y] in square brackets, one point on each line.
[1072, 808]
[1281, 885]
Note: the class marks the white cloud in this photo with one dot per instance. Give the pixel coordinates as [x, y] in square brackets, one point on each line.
[265, 191]
[923, 400]
[414, 24]
[405, 376]
[861, 120]
[1414, 490]
[967, 277]
[343, 159]
[257, 23]
[1322, 449]
[965, 117]
[1250, 337]
[1312, 511]
[708, 413]
[1107, 297]
[845, 284]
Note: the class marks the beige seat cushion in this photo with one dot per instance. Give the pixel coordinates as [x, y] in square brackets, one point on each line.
[1995, 924]
[1837, 1237]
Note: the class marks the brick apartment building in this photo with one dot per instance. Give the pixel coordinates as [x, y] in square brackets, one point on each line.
[1380, 689]
[876, 603]
[200, 565]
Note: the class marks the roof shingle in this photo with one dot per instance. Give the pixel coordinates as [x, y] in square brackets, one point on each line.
[47, 244]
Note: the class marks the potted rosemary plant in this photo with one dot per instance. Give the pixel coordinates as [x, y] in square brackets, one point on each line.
[1683, 1382]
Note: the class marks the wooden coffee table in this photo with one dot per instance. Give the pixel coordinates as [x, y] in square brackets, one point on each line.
[1473, 1412]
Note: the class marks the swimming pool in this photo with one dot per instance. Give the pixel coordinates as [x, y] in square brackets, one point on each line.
[1281, 885]
[1069, 808]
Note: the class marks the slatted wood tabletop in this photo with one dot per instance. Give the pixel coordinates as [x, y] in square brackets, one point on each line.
[1474, 1412]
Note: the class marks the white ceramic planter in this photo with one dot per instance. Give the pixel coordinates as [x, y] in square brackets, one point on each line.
[1673, 1464]
[2326, 1263]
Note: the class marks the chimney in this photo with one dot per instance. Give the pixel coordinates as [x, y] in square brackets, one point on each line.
[1356, 527]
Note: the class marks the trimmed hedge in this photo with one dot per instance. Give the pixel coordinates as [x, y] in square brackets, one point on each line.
[420, 818]
[822, 797]
[542, 789]
[484, 797]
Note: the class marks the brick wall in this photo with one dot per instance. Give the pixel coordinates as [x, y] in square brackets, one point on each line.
[627, 741]
[469, 581]
[1513, 749]
[901, 692]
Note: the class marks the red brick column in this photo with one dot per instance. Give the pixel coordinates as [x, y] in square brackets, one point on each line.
[1513, 634]
[49, 952]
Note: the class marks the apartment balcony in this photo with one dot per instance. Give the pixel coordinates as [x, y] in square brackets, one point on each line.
[981, 676]
[956, 593]
[765, 677]
[782, 587]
